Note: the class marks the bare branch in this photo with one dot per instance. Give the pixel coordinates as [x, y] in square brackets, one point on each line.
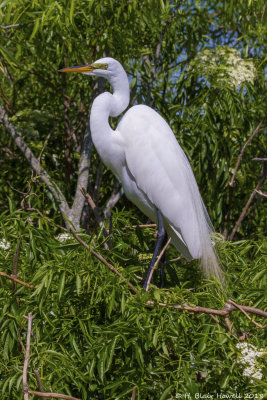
[14, 279]
[224, 312]
[264, 194]
[9, 26]
[126, 228]
[156, 263]
[27, 358]
[54, 395]
[245, 313]
[243, 150]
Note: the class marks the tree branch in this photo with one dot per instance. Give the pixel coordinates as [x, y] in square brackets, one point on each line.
[14, 279]
[224, 312]
[27, 358]
[54, 395]
[83, 175]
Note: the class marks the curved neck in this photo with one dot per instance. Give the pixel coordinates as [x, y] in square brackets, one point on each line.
[104, 106]
[107, 104]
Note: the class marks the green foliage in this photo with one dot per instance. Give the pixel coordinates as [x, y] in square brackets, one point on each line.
[93, 339]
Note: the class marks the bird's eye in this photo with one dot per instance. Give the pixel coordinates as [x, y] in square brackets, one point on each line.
[100, 66]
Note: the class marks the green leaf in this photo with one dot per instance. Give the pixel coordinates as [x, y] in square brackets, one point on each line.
[165, 393]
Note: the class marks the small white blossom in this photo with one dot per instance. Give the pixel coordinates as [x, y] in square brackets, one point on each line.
[249, 360]
[4, 244]
[63, 237]
[224, 66]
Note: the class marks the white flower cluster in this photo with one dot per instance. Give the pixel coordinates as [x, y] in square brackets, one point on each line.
[63, 237]
[249, 360]
[225, 66]
[4, 244]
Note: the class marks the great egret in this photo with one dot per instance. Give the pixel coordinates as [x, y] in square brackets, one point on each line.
[156, 176]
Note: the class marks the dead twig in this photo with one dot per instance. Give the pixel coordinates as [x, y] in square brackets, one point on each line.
[54, 395]
[14, 279]
[9, 26]
[245, 313]
[29, 317]
[264, 194]
[139, 226]
[243, 150]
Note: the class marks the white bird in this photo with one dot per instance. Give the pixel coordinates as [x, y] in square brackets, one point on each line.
[155, 173]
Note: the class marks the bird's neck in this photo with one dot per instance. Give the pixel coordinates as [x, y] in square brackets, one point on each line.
[106, 105]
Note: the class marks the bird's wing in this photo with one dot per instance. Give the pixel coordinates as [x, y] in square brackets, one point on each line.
[161, 170]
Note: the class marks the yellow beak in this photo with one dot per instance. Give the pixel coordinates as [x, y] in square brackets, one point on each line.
[78, 68]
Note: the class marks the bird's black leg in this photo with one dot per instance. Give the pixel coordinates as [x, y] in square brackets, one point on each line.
[160, 237]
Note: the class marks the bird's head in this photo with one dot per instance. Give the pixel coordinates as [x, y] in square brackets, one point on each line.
[104, 67]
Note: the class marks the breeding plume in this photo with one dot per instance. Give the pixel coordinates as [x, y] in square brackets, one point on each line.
[156, 176]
